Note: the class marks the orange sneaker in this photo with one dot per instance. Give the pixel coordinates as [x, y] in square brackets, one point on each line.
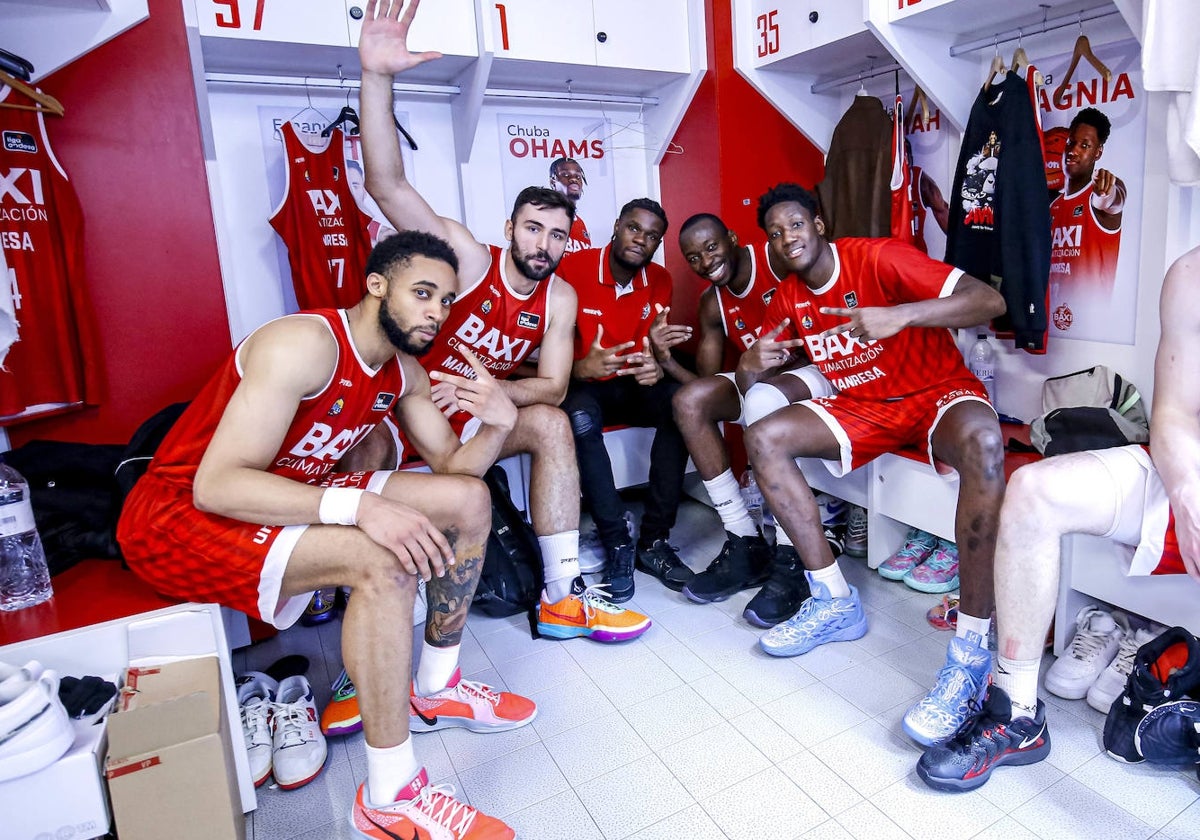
[341, 716]
[587, 612]
[422, 812]
[471, 705]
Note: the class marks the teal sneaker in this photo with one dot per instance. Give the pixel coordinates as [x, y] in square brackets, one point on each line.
[937, 574]
[819, 620]
[918, 545]
[956, 696]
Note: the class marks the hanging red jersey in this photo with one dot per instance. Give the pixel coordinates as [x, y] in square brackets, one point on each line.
[326, 425]
[872, 272]
[579, 238]
[902, 182]
[742, 315]
[52, 363]
[321, 224]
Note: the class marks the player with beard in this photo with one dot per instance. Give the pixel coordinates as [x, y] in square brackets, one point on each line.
[241, 506]
[509, 304]
[624, 374]
[566, 176]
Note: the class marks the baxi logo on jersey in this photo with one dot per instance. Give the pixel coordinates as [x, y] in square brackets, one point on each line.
[22, 196]
[20, 141]
[327, 206]
[496, 350]
[316, 453]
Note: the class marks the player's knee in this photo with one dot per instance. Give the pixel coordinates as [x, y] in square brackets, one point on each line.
[765, 438]
[983, 450]
[545, 423]
[762, 400]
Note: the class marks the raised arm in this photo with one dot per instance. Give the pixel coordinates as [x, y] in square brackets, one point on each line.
[383, 50]
[1175, 419]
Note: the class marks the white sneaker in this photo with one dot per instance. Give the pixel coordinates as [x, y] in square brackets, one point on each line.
[256, 694]
[1111, 682]
[34, 728]
[298, 747]
[1098, 636]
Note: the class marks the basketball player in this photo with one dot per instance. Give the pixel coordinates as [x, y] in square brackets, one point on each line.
[873, 316]
[1150, 500]
[566, 176]
[240, 506]
[742, 282]
[510, 303]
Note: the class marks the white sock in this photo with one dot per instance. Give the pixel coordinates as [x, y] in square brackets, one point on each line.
[1019, 679]
[436, 668]
[727, 498]
[833, 579]
[560, 563]
[388, 770]
[971, 624]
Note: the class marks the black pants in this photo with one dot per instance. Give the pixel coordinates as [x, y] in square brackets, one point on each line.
[591, 406]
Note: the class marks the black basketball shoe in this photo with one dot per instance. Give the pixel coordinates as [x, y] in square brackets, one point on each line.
[783, 593]
[618, 573]
[743, 562]
[1164, 669]
[660, 559]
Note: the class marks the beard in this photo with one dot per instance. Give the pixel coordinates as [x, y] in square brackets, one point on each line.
[403, 340]
[627, 264]
[521, 260]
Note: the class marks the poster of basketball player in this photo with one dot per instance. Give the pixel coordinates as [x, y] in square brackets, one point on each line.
[928, 152]
[568, 154]
[1094, 133]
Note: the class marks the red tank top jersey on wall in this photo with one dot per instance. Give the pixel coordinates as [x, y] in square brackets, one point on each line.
[327, 424]
[742, 315]
[625, 312]
[53, 360]
[321, 224]
[1083, 253]
[872, 272]
[579, 238]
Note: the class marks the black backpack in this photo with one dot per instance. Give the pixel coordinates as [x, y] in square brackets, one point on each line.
[511, 581]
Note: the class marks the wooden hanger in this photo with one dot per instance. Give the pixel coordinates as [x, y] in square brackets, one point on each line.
[919, 100]
[43, 102]
[997, 66]
[1021, 62]
[1083, 49]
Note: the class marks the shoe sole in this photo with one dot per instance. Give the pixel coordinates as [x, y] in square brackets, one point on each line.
[765, 623]
[892, 574]
[418, 725]
[846, 634]
[855, 552]
[1066, 691]
[558, 631]
[315, 620]
[933, 588]
[343, 728]
[963, 785]
[302, 782]
[720, 595]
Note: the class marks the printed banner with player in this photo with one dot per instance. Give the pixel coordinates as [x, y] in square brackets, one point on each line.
[932, 176]
[570, 154]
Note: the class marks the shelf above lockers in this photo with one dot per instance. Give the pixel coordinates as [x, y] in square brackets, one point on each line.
[52, 33]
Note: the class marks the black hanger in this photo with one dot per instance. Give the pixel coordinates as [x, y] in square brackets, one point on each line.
[14, 65]
[346, 117]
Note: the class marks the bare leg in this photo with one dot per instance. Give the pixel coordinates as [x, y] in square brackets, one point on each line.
[699, 406]
[545, 433]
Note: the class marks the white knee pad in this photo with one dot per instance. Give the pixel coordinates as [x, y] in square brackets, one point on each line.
[761, 400]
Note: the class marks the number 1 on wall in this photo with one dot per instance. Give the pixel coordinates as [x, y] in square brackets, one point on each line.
[503, 25]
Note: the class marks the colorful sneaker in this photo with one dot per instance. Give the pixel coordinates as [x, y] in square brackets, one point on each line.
[618, 574]
[939, 573]
[1111, 682]
[421, 811]
[341, 716]
[944, 616]
[255, 693]
[1163, 671]
[744, 562]
[321, 608]
[1170, 733]
[993, 738]
[34, 728]
[298, 749]
[587, 612]
[783, 593]
[820, 620]
[471, 705]
[918, 545]
[856, 532]
[661, 559]
[1098, 635]
[956, 695]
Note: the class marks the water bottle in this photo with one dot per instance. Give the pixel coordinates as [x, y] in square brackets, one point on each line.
[753, 497]
[982, 362]
[24, 577]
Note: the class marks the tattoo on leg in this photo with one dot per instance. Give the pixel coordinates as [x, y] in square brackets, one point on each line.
[449, 599]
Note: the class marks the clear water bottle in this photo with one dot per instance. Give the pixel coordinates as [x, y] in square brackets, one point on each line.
[24, 576]
[982, 362]
[753, 497]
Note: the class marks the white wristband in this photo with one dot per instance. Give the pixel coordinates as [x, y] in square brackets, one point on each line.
[339, 506]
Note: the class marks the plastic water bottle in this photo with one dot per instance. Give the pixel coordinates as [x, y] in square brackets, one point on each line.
[24, 576]
[753, 497]
[982, 362]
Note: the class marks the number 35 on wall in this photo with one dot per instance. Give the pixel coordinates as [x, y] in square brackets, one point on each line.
[768, 34]
[229, 16]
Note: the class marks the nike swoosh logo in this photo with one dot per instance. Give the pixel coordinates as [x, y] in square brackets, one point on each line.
[555, 614]
[1032, 740]
[415, 835]
[429, 721]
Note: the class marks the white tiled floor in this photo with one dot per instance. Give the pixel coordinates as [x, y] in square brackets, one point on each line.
[692, 732]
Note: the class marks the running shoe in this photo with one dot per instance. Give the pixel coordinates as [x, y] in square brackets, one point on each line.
[939, 572]
[298, 749]
[1170, 733]
[944, 616]
[661, 559]
[255, 693]
[991, 739]
[1111, 682]
[341, 716]
[744, 562]
[955, 696]
[1097, 640]
[470, 705]
[918, 545]
[422, 812]
[1164, 670]
[586, 611]
[618, 574]
[34, 728]
[856, 531]
[783, 593]
[821, 619]
[321, 608]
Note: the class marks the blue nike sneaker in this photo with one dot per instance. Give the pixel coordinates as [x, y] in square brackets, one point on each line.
[957, 694]
[1170, 733]
[820, 619]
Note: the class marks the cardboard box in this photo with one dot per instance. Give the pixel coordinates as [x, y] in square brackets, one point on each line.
[65, 799]
[170, 765]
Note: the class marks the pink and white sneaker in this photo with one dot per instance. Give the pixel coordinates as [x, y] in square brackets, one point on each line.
[424, 813]
[471, 705]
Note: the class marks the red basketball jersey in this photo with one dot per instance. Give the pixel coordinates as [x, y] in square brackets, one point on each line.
[1083, 253]
[321, 224]
[903, 182]
[53, 360]
[742, 315]
[872, 272]
[327, 424]
[579, 238]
